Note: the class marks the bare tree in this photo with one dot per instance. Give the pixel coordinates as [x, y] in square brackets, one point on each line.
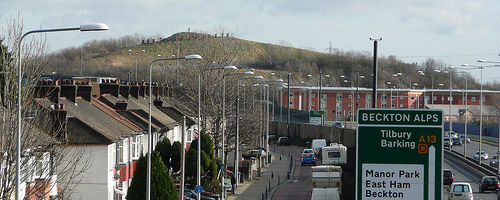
[43, 147]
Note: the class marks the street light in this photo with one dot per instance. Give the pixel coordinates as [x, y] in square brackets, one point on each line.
[198, 170]
[150, 138]
[450, 116]
[224, 121]
[81, 52]
[237, 157]
[85, 27]
[267, 112]
[130, 50]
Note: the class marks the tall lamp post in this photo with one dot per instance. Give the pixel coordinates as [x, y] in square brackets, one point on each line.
[267, 113]
[81, 54]
[237, 153]
[198, 169]
[432, 87]
[85, 27]
[450, 116]
[150, 138]
[374, 98]
[224, 121]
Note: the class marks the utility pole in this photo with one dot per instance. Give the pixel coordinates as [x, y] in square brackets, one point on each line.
[374, 97]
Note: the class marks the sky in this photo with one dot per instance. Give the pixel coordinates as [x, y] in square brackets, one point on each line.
[455, 32]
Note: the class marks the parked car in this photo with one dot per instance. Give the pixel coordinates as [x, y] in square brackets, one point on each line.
[464, 139]
[283, 141]
[448, 177]
[494, 161]
[192, 194]
[456, 141]
[484, 155]
[338, 125]
[307, 151]
[488, 183]
[460, 190]
[308, 158]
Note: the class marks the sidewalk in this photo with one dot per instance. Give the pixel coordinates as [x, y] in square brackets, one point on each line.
[255, 189]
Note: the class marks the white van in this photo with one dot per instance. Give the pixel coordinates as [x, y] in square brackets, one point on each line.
[317, 145]
[335, 154]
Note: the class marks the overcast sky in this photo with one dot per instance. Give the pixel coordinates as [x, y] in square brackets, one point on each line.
[453, 31]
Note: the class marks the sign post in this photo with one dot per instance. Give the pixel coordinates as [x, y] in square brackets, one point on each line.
[316, 117]
[399, 154]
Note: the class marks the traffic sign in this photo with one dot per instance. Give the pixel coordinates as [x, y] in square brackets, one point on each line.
[316, 117]
[198, 189]
[399, 154]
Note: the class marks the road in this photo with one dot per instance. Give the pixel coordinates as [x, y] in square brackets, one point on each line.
[300, 186]
[473, 146]
[466, 174]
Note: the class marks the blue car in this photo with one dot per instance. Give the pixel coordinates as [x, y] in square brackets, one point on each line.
[308, 158]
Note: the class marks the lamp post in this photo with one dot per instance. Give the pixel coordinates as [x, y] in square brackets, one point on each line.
[130, 50]
[374, 98]
[267, 113]
[85, 27]
[351, 83]
[432, 87]
[224, 121]
[357, 90]
[237, 157]
[198, 169]
[449, 111]
[150, 138]
[81, 65]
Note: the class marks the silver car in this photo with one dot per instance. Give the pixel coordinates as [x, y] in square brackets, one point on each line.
[484, 155]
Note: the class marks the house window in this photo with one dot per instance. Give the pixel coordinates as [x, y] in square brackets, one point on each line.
[189, 134]
[339, 97]
[384, 98]
[473, 99]
[136, 147]
[120, 152]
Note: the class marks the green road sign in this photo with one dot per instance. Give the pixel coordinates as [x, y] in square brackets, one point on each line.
[316, 117]
[399, 154]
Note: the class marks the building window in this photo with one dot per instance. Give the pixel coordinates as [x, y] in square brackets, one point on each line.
[368, 97]
[313, 95]
[400, 97]
[483, 100]
[384, 105]
[291, 103]
[473, 99]
[393, 98]
[323, 97]
[349, 104]
[384, 98]
[120, 152]
[292, 95]
[136, 147]
[339, 97]
[412, 98]
[400, 105]
[393, 105]
[350, 96]
[368, 105]
[312, 104]
[434, 98]
[412, 106]
[450, 98]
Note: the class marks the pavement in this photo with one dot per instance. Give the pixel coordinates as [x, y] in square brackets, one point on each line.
[264, 186]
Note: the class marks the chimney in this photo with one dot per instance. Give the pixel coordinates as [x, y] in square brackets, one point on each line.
[68, 89]
[48, 89]
[109, 87]
[125, 90]
[84, 90]
[121, 105]
[58, 115]
[157, 103]
[142, 89]
[134, 90]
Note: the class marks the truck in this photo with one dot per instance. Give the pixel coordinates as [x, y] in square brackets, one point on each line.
[326, 176]
[335, 154]
[325, 194]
